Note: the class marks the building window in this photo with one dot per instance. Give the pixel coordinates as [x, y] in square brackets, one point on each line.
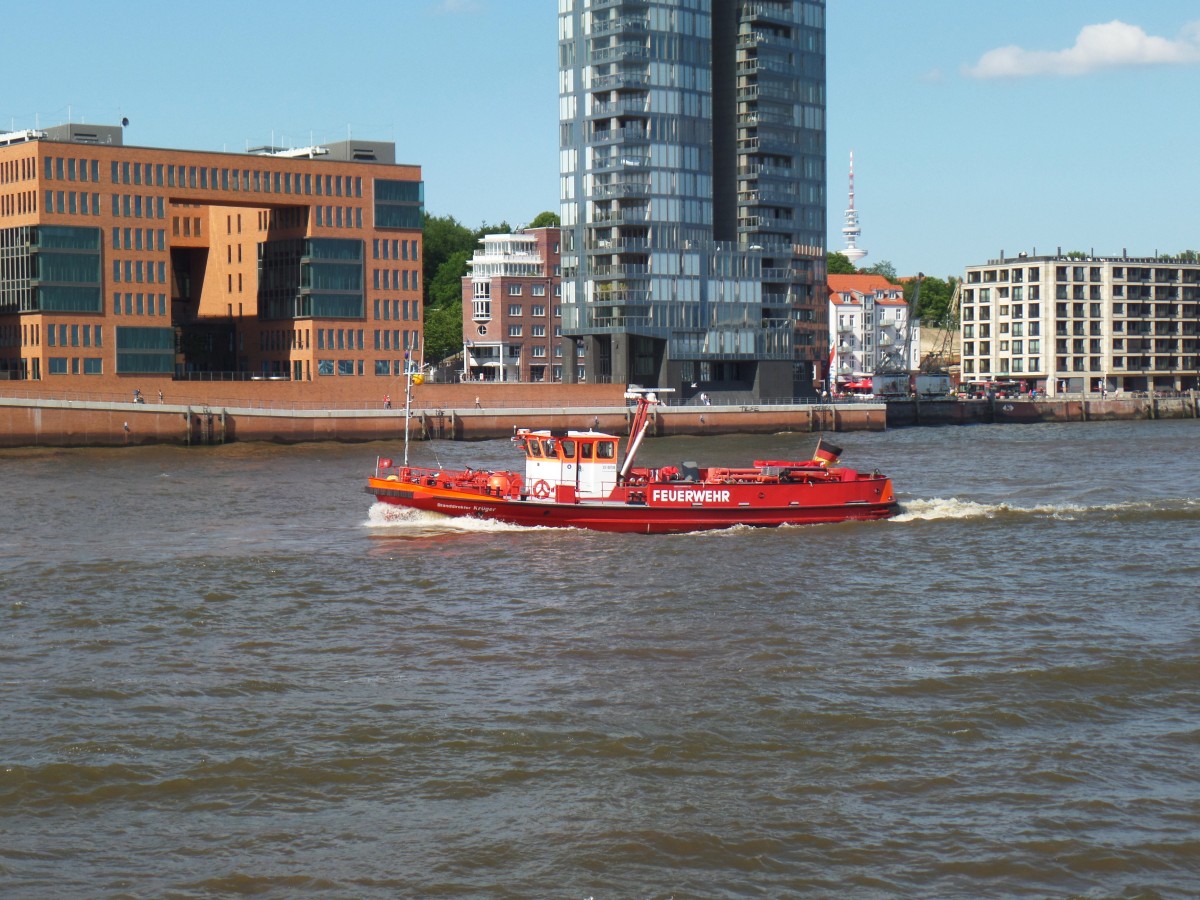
[514, 330]
[514, 290]
[514, 309]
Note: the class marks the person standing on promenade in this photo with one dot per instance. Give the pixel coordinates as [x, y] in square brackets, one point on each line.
[387, 401]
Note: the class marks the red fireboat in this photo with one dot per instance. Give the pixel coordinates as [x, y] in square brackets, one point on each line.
[572, 480]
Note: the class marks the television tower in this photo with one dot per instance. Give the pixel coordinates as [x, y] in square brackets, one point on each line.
[851, 230]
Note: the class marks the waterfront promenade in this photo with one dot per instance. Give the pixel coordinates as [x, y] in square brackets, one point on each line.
[466, 412]
[63, 422]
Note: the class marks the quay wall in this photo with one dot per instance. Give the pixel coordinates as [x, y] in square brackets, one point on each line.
[903, 413]
[63, 423]
[449, 412]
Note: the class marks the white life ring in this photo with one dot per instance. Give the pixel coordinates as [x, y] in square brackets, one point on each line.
[541, 490]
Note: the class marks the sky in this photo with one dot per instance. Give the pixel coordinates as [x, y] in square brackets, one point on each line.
[977, 127]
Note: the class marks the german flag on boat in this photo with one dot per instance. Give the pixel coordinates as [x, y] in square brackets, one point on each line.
[826, 454]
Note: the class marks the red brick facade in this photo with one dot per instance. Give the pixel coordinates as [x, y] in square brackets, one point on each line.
[512, 309]
[180, 236]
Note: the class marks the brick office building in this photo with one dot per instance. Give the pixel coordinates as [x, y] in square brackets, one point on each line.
[512, 308]
[124, 267]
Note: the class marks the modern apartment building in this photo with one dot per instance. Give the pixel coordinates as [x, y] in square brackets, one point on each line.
[692, 166]
[869, 331]
[1071, 325]
[123, 264]
[512, 309]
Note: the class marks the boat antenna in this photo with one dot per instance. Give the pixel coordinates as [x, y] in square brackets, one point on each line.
[408, 374]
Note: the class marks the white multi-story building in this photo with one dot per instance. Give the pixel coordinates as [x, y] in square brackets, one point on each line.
[868, 331]
[1094, 324]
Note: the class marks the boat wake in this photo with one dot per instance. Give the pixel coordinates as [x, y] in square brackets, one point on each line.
[407, 520]
[1132, 510]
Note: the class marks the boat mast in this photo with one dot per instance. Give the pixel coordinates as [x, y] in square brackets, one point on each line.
[407, 403]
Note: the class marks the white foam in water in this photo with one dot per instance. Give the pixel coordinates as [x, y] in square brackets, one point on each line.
[953, 508]
[387, 515]
[945, 508]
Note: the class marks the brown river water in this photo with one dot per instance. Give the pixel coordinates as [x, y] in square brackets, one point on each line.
[224, 672]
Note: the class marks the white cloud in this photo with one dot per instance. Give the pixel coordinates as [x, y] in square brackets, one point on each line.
[1111, 45]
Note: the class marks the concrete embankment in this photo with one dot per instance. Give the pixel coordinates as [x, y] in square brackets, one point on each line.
[901, 413]
[62, 423]
[450, 412]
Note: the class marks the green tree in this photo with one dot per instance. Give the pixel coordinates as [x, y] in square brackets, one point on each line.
[443, 332]
[546, 219]
[839, 264]
[500, 228]
[446, 287]
[933, 306]
[884, 268]
[443, 236]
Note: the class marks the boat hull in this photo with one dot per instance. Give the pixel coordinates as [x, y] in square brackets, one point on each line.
[660, 508]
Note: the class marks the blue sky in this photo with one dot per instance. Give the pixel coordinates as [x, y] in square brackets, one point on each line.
[976, 126]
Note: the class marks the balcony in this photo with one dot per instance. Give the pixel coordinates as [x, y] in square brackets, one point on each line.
[764, 223]
[633, 216]
[619, 25]
[628, 105]
[620, 53]
[768, 90]
[618, 245]
[617, 80]
[769, 142]
[621, 189]
[764, 65]
[767, 11]
[768, 195]
[763, 117]
[620, 270]
[627, 135]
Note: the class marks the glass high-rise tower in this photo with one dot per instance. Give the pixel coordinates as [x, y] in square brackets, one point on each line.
[693, 193]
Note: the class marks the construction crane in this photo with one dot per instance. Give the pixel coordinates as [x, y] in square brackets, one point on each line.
[891, 376]
[938, 361]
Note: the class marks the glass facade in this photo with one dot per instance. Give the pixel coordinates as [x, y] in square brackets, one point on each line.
[145, 350]
[319, 278]
[50, 268]
[692, 162]
[398, 204]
